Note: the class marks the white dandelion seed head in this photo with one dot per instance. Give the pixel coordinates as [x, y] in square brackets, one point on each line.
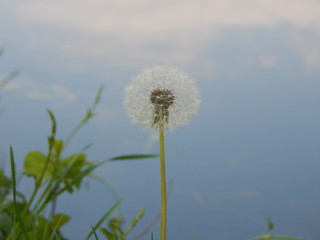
[161, 91]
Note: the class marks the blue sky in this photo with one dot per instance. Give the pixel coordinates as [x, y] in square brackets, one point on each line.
[253, 149]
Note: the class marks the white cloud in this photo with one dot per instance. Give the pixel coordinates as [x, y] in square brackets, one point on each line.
[170, 31]
[147, 19]
[30, 89]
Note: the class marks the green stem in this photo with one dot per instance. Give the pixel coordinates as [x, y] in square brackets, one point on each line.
[163, 223]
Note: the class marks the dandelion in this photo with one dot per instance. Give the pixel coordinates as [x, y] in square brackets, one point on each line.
[161, 95]
[161, 98]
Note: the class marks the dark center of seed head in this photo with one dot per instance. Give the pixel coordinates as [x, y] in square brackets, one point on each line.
[162, 98]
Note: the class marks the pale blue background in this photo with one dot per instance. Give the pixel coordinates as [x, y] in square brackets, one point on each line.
[251, 152]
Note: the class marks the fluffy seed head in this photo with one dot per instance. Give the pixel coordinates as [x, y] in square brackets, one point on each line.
[161, 95]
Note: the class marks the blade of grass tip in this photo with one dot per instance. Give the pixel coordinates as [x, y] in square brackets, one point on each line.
[13, 179]
[86, 147]
[194, 234]
[134, 156]
[89, 114]
[94, 233]
[98, 97]
[102, 219]
[51, 139]
[151, 235]
[14, 193]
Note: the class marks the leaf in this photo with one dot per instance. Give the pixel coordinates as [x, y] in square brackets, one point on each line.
[68, 186]
[135, 220]
[59, 220]
[270, 224]
[5, 204]
[4, 181]
[5, 222]
[78, 161]
[107, 234]
[51, 139]
[58, 146]
[34, 163]
[115, 227]
[134, 156]
[5, 185]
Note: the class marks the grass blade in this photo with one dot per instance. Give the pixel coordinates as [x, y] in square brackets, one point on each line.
[14, 194]
[94, 233]
[134, 156]
[104, 217]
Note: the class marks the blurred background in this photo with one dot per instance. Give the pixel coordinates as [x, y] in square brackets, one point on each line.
[252, 151]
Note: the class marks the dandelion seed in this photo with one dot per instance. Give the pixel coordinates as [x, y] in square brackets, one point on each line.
[161, 95]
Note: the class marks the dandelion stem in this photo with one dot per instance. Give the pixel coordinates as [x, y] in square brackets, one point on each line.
[163, 223]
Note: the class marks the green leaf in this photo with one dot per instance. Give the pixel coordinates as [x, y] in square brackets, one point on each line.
[42, 221]
[68, 186]
[270, 224]
[5, 185]
[5, 204]
[34, 164]
[59, 220]
[134, 156]
[135, 220]
[4, 181]
[78, 161]
[107, 234]
[58, 146]
[5, 222]
[51, 139]
[115, 227]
